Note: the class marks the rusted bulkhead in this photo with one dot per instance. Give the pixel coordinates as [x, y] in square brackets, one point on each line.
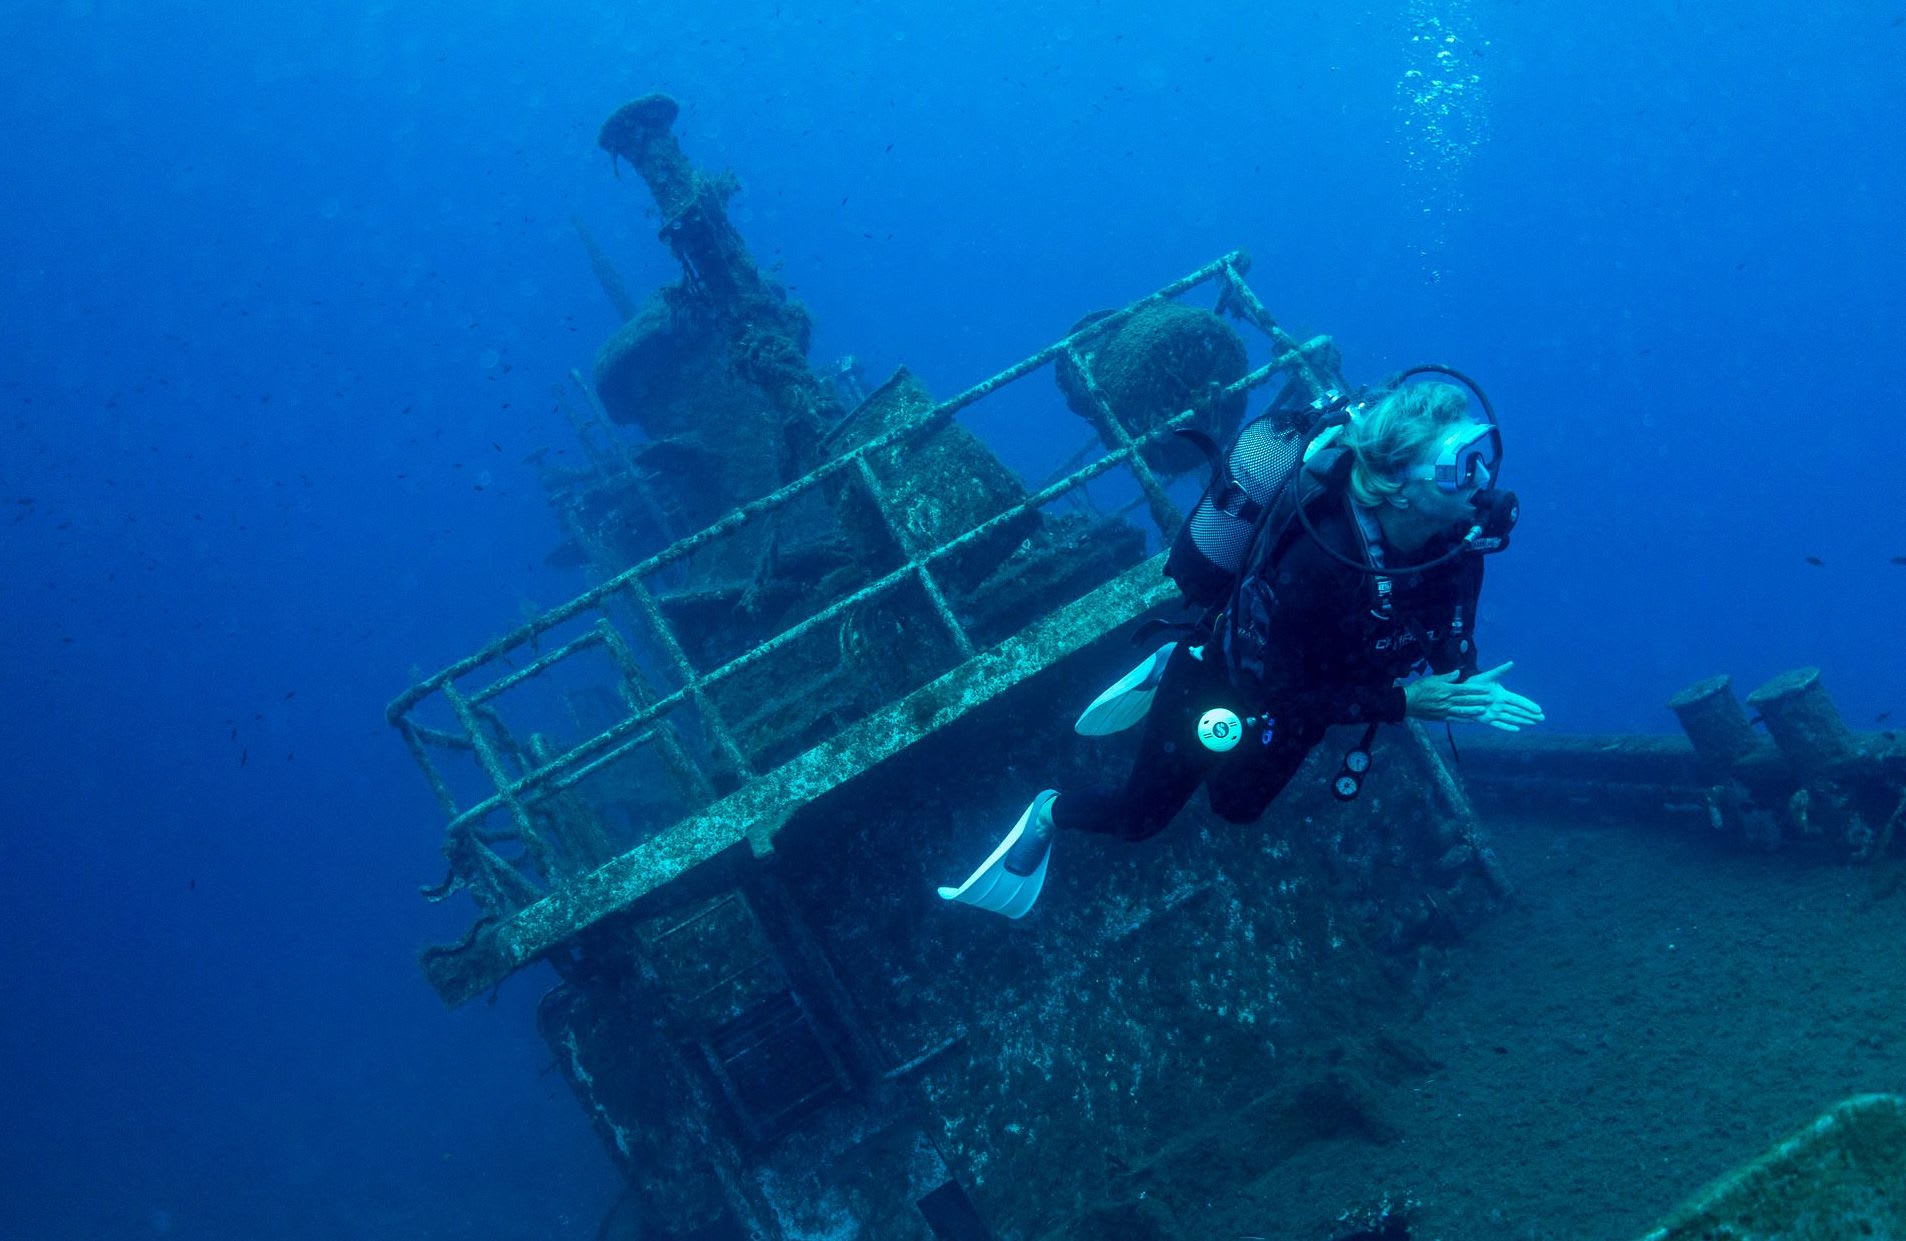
[814, 1045]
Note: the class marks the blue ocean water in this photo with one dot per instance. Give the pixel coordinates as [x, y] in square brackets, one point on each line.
[283, 291]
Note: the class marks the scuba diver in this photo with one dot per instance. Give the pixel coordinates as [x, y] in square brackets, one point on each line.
[1336, 560]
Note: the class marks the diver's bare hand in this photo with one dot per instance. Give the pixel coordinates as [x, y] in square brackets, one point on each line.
[1482, 699]
[1440, 696]
[1505, 709]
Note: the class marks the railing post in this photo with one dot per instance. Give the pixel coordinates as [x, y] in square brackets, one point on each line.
[691, 680]
[914, 555]
[417, 751]
[638, 694]
[1164, 513]
[492, 763]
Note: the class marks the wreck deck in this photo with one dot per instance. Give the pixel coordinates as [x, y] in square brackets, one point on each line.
[532, 902]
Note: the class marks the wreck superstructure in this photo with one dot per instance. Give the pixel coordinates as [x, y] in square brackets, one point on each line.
[822, 655]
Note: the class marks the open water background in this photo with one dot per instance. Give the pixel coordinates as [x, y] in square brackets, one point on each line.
[282, 290]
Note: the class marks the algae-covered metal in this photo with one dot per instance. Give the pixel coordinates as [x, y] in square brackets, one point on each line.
[1841, 1177]
[1030, 579]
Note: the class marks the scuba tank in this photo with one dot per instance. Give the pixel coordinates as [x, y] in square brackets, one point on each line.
[1211, 547]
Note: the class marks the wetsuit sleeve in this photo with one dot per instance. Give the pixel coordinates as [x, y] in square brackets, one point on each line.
[1455, 649]
[1372, 704]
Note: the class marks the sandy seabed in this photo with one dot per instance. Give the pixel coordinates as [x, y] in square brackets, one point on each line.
[1655, 1010]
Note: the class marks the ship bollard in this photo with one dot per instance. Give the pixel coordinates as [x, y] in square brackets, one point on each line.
[1712, 717]
[1804, 723]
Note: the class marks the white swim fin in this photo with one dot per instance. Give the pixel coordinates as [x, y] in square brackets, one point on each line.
[1128, 699]
[994, 888]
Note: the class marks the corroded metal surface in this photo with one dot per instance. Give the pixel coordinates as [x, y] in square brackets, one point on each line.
[1810, 783]
[1843, 1176]
[757, 812]
[986, 585]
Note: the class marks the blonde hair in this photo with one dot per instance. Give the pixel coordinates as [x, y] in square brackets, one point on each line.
[1391, 435]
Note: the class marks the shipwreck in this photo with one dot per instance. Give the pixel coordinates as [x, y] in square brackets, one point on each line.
[708, 798]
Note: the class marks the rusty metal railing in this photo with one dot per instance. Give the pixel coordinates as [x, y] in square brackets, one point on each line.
[524, 777]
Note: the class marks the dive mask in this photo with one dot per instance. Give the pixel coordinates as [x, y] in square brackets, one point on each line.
[1469, 455]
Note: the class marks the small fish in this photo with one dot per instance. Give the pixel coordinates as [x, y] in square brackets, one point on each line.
[1899, 560]
[1882, 717]
[244, 756]
[1815, 561]
[290, 694]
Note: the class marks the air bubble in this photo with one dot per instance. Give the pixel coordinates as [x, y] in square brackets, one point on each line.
[1446, 114]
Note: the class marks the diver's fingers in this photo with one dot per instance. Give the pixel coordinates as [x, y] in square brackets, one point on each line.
[1494, 674]
[1520, 703]
[1504, 725]
[1515, 714]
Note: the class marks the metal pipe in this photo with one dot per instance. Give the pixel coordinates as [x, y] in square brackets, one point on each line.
[495, 688]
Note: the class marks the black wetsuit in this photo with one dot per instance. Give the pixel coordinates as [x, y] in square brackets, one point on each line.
[1333, 656]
